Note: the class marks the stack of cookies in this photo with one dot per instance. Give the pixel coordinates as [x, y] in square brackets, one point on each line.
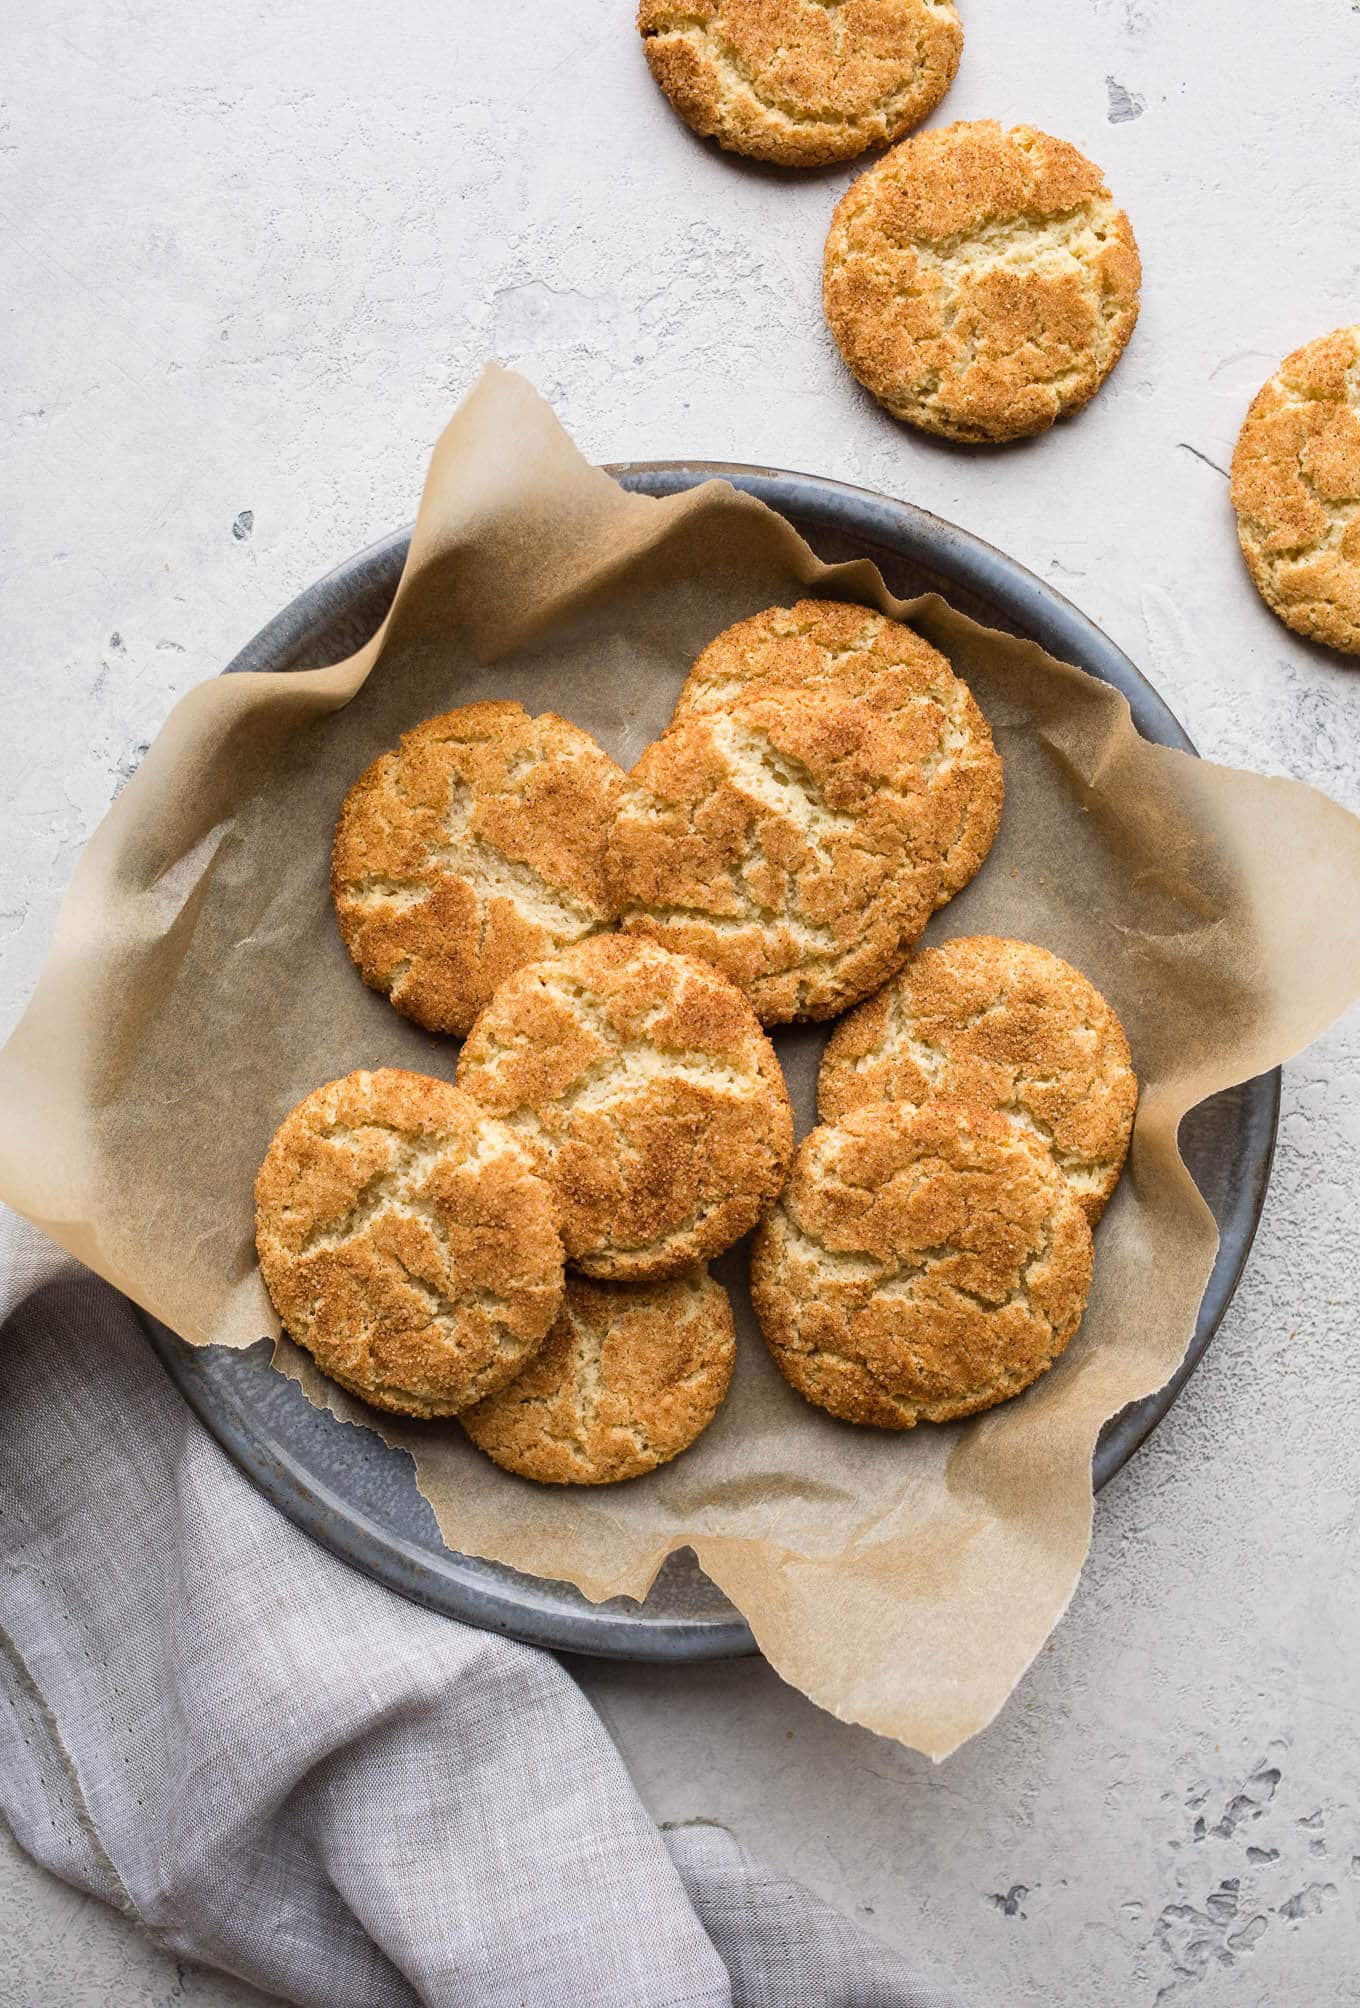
[931, 1253]
[526, 1250]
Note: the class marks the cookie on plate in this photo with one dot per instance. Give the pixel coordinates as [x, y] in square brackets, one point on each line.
[787, 838]
[855, 652]
[1296, 490]
[475, 847]
[629, 1376]
[646, 1091]
[981, 283]
[797, 81]
[1001, 1025]
[922, 1264]
[407, 1242]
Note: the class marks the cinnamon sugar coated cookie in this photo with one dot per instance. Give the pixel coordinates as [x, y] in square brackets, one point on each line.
[922, 1264]
[646, 1091]
[981, 283]
[802, 82]
[475, 847]
[1296, 490]
[855, 652]
[788, 839]
[629, 1376]
[407, 1242]
[1001, 1025]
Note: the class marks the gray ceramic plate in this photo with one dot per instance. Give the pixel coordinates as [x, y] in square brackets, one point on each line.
[359, 1498]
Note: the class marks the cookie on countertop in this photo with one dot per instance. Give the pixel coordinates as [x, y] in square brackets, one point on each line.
[981, 283]
[473, 848]
[1000, 1025]
[787, 838]
[923, 1264]
[1296, 490]
[799, 82]
[646, 1091]
[629, 1376]
[407, 1242]
[855, 652]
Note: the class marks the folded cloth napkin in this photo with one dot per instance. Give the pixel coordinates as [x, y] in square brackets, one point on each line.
[283, 1770]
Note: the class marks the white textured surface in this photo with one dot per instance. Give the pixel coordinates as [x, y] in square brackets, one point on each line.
[254, 256]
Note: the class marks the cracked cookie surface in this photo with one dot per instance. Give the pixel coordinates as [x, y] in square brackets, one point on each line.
[981, 283]
[628, 1377]
[787, 838]
[1296, 490]
[1001, 1025]
[855, 652]
[647, 1093]
[473, 848]
[922, 1264]
[802, 82]
[407, 1242]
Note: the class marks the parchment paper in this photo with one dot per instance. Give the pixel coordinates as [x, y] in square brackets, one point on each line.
[198, 987]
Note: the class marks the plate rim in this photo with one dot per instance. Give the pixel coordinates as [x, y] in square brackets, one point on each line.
[1046, 615]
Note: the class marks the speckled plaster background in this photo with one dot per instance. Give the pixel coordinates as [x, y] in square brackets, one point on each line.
[255, 254]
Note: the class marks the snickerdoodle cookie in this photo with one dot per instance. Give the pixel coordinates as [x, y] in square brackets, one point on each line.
[627, 1378]
[922, 1264]
[475, 847]
[789, 839]
[802, 82]
[855, 652]
[1296, 490]
[981, 282]
[407, 1241]
[646, 1091]
[1001, 1025]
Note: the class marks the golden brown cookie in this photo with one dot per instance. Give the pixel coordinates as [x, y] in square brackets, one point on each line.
[474, 848]
[407, 1241]
[787, 838]
[1296, 490]
[629, 1376]
[647, 1092]
[1001, 1025]
[922, 1264]
[981, 283]
[854, 652]
[802, 82]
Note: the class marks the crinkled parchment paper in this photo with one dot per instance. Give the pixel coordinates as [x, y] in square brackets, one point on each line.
[198, 987]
